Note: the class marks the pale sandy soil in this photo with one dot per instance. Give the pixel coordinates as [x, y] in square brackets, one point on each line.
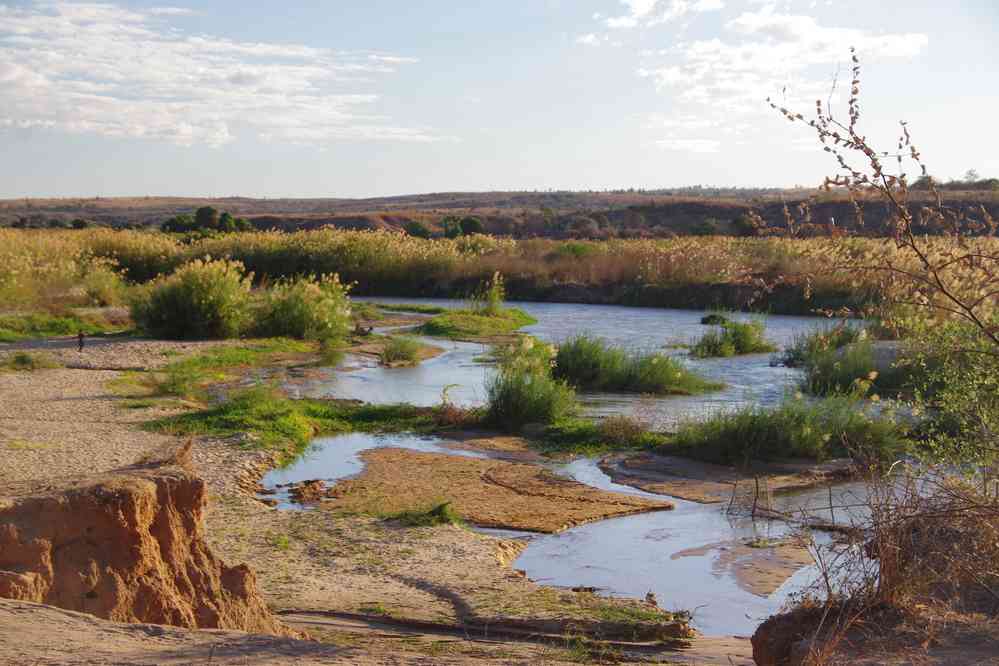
[708, 483]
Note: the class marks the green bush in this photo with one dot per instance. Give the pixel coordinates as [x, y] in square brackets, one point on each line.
[471, 324]
[201, 299]
[399, 350]
[820, 430]
[589, 363]
[516, 398]
[807, 346]
[437, 515]
[488, 300]
[306, 308]
[731, 339]
[715, 319]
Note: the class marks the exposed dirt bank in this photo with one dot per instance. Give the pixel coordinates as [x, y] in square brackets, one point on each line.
[111, 352]
[707, 483]
[489, 493]
[127, 546]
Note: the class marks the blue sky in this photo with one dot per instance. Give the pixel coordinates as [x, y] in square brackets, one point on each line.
[380, 97]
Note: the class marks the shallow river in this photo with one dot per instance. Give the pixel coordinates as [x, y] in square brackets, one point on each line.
[630, 555]
[748, 379]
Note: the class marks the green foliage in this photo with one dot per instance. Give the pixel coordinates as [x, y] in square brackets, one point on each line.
[517, 397]
[451, 226]
[306, 308]
[589, 363]
[435, 516]
[42, 325]
[28, 362]
[733, 338]
[957, 375]
[807, 346]
[715, 319]
[828, 428]
[202, 299]
[417, 229]
[400, 350]
[469, 324]
[287, 426]
[578, 436]
[206, 217]
[471, 225]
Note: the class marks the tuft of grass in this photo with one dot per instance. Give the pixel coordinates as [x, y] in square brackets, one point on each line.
[281, 542]
[715, 319]
[437, 515]
[517, 397]
[474, 324]
[400, 350]
[584, 437]
[29, 362]
[733, 338]
[807, 346]
[374, 609]
[589, 363]
[412, 307]
[833, 427]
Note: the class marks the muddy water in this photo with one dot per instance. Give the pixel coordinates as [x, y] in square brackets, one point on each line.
[748, 379]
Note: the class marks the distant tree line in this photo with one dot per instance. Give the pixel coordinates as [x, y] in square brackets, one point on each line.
[972, 181]
[206, 220]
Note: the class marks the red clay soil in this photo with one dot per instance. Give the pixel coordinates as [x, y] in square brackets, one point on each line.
[126, 546]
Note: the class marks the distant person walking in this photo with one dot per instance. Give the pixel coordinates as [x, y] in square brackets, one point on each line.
[79, 340]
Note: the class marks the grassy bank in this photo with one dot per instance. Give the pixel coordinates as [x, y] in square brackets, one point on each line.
[829, 428]
[277, 423]
[84, 267]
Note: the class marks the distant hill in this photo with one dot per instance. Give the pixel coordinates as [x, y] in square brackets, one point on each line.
[688, 211]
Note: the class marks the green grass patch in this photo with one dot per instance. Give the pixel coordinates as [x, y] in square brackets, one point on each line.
[797, 428]
[590, 364]
[852, 370]
[733, 338]
[463, 324]
[715, 319]
[435, 516]
[29, 362]
[14, 328]
[583, 437]
[187, 377]
[517, 397]
[278, 423]
[412, 307]
[400, 350]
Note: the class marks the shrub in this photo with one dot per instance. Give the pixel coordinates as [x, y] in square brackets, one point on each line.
[589, 363]
[733, 338]
[202, 299]
[417, 229]
[516, 398]
[306, 308]
[27, 362]
[807, 346]
[488, 301]
[798, 428]
[439, 514]
[400, 350]
[714, 319]
[620, 431]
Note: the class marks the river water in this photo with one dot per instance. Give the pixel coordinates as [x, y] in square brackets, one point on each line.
[675, 554]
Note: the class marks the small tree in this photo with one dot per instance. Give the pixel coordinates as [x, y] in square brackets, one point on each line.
[417, 229]
[471, 225]
[206, 217]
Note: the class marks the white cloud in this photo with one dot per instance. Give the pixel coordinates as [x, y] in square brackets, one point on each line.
[590, 40]
[103, 69]
[688, 145]
[647, 13]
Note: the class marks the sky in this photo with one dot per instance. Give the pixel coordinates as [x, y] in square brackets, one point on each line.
[357, 98]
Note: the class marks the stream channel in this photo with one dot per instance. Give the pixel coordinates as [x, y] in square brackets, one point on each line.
[675, 554]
